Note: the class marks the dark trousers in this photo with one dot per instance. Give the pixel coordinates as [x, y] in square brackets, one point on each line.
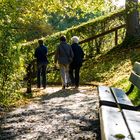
[74, 75]
[41, 73]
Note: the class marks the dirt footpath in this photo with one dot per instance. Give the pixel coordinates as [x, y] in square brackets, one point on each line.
[57, 115]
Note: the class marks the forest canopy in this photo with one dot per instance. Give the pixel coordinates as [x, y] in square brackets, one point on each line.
[32, 19]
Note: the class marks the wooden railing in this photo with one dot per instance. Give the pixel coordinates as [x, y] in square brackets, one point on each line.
[31, 68]
[105, 33]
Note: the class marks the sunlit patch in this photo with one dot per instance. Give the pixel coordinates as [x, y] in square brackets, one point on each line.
[118, 3]
[55, 114]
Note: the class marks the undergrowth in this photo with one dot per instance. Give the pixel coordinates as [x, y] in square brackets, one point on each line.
[113, 69]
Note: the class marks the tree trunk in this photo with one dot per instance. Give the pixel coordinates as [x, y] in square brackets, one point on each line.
[132, 15]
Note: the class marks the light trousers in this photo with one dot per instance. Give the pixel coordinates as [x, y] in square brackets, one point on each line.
[64, 71]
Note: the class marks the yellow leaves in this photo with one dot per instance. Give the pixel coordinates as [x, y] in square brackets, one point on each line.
[65, 6]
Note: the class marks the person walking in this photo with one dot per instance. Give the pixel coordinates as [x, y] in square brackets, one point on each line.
[76, 64]
[64, 56]
[41, 55]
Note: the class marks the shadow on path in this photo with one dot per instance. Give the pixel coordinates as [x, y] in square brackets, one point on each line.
[58, 114]
[60, 93]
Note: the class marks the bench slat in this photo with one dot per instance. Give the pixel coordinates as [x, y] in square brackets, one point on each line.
[105, 96]
[136, 68]
[112, 124]
[121, 97]
[135, 79]
[133, 121]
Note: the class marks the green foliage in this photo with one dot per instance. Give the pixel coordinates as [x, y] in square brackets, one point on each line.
[100, 24]
[119, 136]
[135, 96]
[69, 13]
[25, 20]
[90, 28]
[113, 69]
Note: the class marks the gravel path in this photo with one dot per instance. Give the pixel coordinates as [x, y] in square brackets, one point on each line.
[56, 115]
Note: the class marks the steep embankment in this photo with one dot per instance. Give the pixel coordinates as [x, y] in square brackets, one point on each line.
[113, 68]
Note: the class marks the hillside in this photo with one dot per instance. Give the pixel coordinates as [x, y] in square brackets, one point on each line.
[113, 69]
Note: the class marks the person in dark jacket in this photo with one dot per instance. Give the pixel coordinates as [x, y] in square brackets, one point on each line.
[41, 56]
[64, 56]
[76, 64]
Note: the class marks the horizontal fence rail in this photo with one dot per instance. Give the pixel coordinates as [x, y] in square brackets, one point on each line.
[104, 33]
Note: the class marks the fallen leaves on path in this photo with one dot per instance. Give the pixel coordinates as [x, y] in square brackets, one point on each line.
[55, 114]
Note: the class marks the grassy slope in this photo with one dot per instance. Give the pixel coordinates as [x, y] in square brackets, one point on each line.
[113, 69]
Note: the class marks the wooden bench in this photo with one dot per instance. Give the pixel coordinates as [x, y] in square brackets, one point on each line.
[119, 118]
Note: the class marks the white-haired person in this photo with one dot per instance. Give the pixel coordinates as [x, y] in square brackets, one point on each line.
[76, 64]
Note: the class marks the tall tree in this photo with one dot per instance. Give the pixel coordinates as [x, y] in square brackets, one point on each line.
[132, 15]
[68, 13]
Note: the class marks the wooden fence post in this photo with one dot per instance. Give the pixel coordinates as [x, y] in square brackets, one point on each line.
[29, 80]
[116, 37]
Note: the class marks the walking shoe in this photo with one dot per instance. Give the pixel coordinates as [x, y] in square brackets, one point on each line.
[72, 84]
[76, 87]
[67, 85]
[63, 87]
